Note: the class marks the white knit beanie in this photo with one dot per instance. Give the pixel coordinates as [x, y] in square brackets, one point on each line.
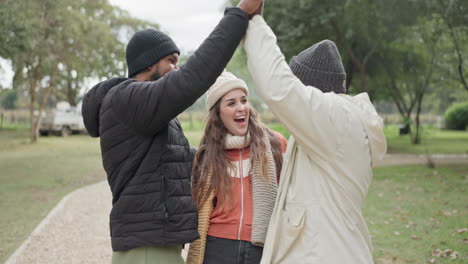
[224, 84]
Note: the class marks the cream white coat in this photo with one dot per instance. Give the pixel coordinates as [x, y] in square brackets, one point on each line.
[327, 168]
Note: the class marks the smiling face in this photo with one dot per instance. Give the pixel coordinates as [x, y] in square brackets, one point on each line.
[234, 111]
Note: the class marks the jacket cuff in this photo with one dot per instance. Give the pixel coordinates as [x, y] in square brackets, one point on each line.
[235, 11]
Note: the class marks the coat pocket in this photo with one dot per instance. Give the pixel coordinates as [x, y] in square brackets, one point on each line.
[297, 235]
[295, 216]
[289, 227]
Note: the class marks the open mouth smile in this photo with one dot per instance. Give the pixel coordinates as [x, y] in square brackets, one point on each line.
[240, 120]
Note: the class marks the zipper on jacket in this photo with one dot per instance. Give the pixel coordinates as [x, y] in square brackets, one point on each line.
[163, 197]
[241, 174]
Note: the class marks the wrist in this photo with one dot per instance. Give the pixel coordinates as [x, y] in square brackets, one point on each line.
[235, 10]
[244, 9]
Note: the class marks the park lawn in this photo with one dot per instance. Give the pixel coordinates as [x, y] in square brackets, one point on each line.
[34, 177]
[434, 141]
[13, 135]
[412, 211]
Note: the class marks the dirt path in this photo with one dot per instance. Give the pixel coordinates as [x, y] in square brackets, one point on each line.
[77, 229]
[409, 159]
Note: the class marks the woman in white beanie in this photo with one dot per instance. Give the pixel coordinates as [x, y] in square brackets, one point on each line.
[234, 177]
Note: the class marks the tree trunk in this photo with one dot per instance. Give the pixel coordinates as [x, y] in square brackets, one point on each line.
[32, 93]
[459, 55]
[48, 91]
[457, 47]
[349, 47]
[362, 76]
[17, 77]
[349, 74]
[417, 138]
[361, 67]
[405, 109]
[360, 63]
[420, 93]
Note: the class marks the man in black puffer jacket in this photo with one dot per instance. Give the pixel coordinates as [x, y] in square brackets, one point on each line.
[145, 153]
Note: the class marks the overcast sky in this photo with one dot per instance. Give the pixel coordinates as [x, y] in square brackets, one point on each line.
[188, 22]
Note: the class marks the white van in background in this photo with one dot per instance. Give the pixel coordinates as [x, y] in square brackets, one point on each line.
[64, 120]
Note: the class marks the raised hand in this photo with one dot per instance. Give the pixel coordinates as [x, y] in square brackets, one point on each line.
[251, 7]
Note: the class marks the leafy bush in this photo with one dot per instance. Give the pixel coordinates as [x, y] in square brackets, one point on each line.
[456, 116]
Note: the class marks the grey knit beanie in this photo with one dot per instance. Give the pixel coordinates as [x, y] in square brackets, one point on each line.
[320, 66]
[146, 48]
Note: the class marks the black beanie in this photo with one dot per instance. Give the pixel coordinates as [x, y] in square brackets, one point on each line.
[146, 48]
[320, 66]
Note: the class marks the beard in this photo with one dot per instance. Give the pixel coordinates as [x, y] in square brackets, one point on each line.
[155, 75]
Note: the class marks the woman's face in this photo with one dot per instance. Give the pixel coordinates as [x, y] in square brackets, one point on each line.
[234, 112]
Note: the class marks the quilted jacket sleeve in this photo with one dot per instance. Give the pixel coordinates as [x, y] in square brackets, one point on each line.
[148, 106]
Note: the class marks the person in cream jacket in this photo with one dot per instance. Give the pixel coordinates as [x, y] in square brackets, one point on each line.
[327, 166]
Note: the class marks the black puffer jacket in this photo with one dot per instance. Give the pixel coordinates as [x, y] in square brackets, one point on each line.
[145, 153]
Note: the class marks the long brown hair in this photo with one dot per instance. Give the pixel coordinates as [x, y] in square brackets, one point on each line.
[211, 157]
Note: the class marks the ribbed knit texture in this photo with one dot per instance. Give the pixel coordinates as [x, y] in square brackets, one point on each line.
[320, 66]
[264, 196]
[265, 190]
[225, 83]
[236, 142]
[147, 47]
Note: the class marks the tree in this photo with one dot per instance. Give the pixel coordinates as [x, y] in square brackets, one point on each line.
[453, 14]
[427, 64]
[398, 47]
[55, 46]
[8, 99]
[360, 29]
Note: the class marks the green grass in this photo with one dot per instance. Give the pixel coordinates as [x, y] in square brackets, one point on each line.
[412, 211]
[433, 141]
[280, 128]
[193, 131]
[194, 137]
[13, 134]
[34, 177]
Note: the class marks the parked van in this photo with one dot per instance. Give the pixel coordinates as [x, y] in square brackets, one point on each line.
[64, 120]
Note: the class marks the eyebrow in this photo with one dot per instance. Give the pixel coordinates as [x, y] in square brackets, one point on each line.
[232, 99]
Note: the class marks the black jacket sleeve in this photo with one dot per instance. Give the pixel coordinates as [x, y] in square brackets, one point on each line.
[148, 106]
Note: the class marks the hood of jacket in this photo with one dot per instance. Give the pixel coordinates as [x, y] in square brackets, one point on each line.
[373, 125]
[92, 101]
